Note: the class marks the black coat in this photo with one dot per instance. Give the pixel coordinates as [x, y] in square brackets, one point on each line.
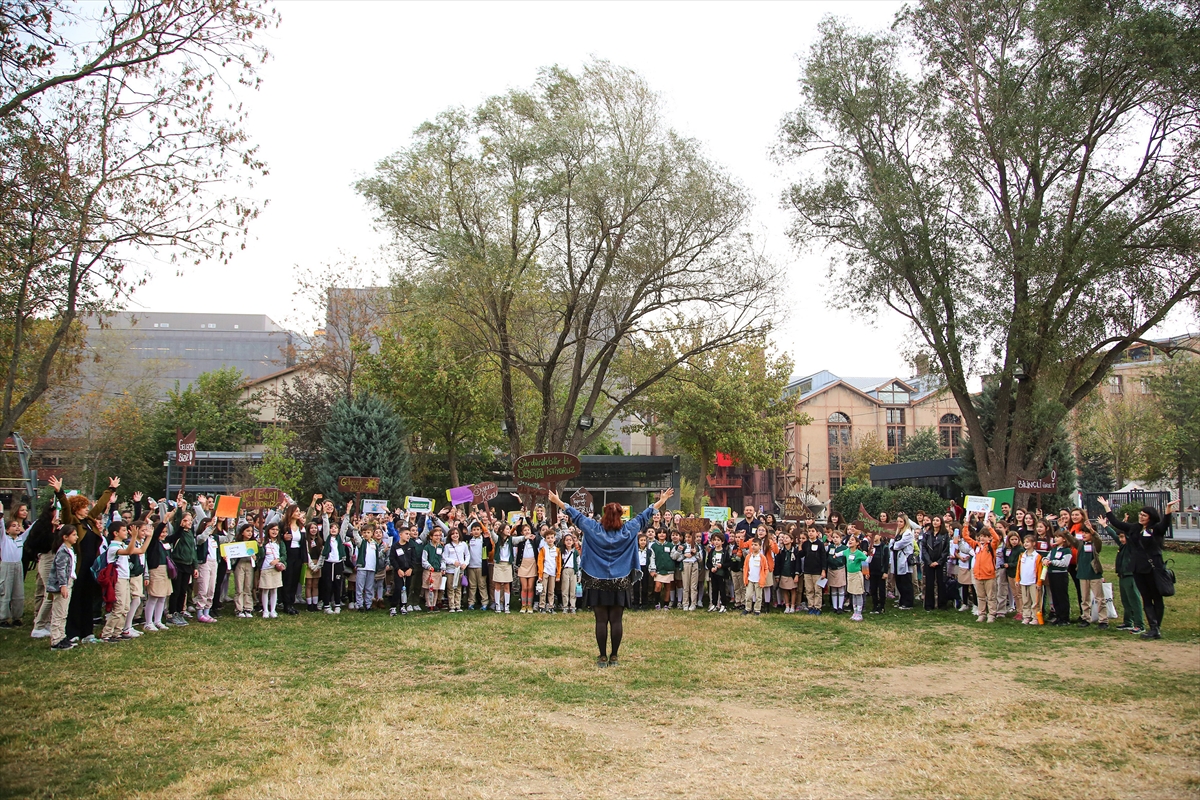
[935, 547]
[1143, 546]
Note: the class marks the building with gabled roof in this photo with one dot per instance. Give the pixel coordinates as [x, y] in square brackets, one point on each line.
[845, 409]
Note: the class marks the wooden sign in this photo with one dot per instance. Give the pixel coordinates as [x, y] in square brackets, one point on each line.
[185, 448]
[482, 492]
[535, 489]
[543, 468]
[694, 525]
[794, 508]
[1039, 485]
[582, 501]
[227, 506]
[351, 485]
[254, 499]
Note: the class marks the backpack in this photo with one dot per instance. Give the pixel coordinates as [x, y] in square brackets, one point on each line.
[107, 578]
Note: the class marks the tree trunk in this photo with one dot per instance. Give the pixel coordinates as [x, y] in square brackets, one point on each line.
[452, 459]
[706, 459]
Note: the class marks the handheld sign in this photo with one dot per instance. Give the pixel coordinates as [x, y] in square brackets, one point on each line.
[626, 513]
[255, 499]
[1039, 485]
[975, 503]
[694, 525]
[715, 513]
[515, 517]
[482, 492]
[374, 506]
[227, 506]
[231, 550]
[348, 484]
[582, 501]
[460, 494]
[421, 505]
[185, 448]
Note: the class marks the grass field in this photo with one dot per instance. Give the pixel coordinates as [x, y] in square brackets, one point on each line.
[908, 704]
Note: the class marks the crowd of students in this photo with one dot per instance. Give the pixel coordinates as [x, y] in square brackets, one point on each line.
[165, 565]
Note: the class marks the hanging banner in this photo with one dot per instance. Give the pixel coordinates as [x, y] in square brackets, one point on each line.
[1039, 485]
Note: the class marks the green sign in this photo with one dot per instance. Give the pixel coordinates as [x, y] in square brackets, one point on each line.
[421, 505]
[715, 513]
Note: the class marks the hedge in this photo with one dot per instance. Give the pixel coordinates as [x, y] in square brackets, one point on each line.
[876, 498]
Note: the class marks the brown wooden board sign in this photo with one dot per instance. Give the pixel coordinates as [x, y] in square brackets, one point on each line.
[582, 501]
[254, 499]
[1039, 485]
[794, 508]
[694, 525]
[185, 448]
[544, 468]
[352, 485]
[484, 492]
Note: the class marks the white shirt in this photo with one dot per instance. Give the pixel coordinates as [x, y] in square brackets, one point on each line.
[369, 561]
[755, 567]
[122, 562]
[550, 562]
[11, 549]
[528, 553]
[1028, 569]
[475, 546]
[297, 538]
[454, 555]
[270, 555]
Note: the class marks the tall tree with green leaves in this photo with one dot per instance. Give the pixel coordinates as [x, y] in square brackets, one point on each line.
[1124, 428]
[278, 468]
[365, 437]
[565, 225]
[730, 401]
[923, 445]
[445, 389]
[1176, 393]
[212, 404]
[1018, 179]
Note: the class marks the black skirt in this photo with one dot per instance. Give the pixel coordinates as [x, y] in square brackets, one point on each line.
[604, 592]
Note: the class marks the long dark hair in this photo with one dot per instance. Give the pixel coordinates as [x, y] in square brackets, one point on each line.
[59, 535]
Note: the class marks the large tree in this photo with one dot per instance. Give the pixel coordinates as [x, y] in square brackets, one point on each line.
[1016, 178]
[1176, 391]
[729, 400]
[1124, 429]
[444, 388]
[365, 437]
[564, 226]
[119, 139]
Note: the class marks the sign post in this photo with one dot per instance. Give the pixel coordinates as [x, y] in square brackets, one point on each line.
[1039, 486]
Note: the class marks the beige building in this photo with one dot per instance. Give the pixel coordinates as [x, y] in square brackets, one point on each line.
[844, 410]
[1138, 362]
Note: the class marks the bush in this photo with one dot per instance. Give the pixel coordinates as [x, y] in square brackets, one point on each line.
[876, 498]
[1131, 509]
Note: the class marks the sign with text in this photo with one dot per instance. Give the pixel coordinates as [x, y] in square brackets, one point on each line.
[1039, 485]
[541, 468]
[421, 505]
[185, 448]
[794, 508]
[374, 506]
[515, 517]
[227, 506]
[694, 525]
[582, 501]
[626, 513]
[348, 484]
[716, 513]
[254, 499]
[976, 503]
[483, 492]
[231, 550]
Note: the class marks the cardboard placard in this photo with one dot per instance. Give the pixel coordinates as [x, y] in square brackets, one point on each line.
[265, 497]
[421, 505]
[374, 506]
[460, 494]
[483, 492]
[231, 550]
[626, 513]
[515, 517]
[976, 503]
[227, 506]
[1039, 485]
[349, 484]
[716, 513]
[582, 501]
[694, 525]
[185, 448]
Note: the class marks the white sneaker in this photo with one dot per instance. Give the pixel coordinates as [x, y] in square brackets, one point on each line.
[266, 615]
[39, 633]
[133, 633]
[149, 628]
[274, 615]
[337, 610]
[328, 610]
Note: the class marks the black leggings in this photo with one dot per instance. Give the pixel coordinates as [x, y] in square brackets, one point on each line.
[1059, 599]
[1152, 600]
[179, 590]
[878, 592]
[609, 618]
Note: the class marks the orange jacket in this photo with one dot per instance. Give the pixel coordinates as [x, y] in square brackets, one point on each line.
[1037, 566]
[763, 570]
[542, 561]
[769, 552]
[985, 553]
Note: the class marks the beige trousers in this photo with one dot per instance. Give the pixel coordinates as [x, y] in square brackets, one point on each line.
[569, 582]
[753, 597]
[548, 583]
[1091, 600]
[985, 591]
[476, 585]
[243, 575]
[691, 584]
[1029, 601]
[58, 613]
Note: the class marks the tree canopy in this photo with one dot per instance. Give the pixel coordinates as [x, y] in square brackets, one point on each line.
[1016, 179]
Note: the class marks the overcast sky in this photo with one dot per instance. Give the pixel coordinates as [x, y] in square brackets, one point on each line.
[349, 82]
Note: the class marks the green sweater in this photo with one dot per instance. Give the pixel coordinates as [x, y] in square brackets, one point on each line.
[1086, 569]
[855, 560]
[837, 557]
[663, 563]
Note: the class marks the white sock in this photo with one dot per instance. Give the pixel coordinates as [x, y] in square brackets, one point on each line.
[507, 597]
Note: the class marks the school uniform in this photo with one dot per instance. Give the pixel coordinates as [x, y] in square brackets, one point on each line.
[12, 577]
[879, 565]
[1090, 574]
[549, 567]
[330, 586]
[570, 577]
[62, 575]
[400, 560]
[754, 570]
[1131, 600]
[114, 623]
[691, 574]
[814, 563]
[454, 555]
[367, 561]
[716, 564]
[1059, 578]
[476, 581]
[1029, 578]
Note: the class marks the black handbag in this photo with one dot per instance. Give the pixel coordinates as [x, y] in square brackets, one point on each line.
[1164, 579]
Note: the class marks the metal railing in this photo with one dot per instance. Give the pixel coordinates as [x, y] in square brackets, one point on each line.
[1157, 500]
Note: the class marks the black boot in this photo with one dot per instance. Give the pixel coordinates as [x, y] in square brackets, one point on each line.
[1152, 633]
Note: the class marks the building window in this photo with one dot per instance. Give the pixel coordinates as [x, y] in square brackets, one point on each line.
[1145, 385]
[895, 416]
[839, 446]
[835, 485]
[894, 393]
[950, 429]
[895, 438]
[1114, 384]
